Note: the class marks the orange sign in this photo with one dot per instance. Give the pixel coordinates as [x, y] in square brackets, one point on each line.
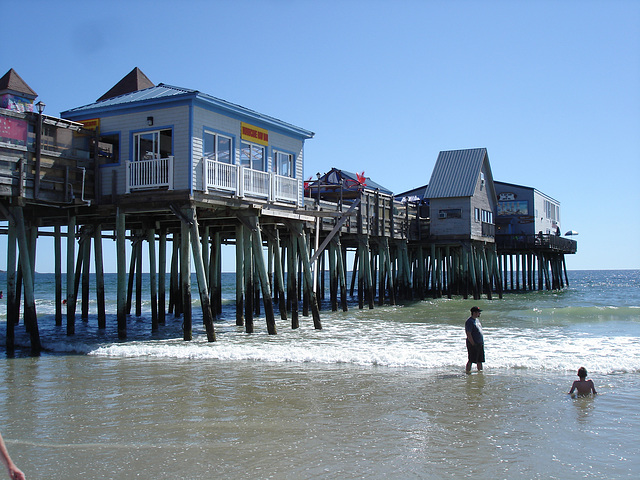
[91, 124]
[254, 134]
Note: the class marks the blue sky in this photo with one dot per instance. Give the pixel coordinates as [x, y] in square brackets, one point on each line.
[550, 88]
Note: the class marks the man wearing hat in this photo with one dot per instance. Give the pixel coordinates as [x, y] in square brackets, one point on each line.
[475, 340]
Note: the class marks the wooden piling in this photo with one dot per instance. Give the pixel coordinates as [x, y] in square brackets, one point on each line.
[292, 285]
[99, 272]
[248, 280]
[239, 275]
[198, 261]
[71, 301]
[279, 276]
[86, 256]
[162, 275]
[57, 252]
[13, 311]
[121, 261]
[153, 283]
[30, 318]
[185, 280]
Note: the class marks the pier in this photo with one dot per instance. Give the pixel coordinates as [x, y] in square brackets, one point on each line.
[184, 174]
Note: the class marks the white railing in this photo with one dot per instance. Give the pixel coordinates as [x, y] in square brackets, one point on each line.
[286, 188]
[256, 183]
[154, 173]
[220, 176]
[245, 181]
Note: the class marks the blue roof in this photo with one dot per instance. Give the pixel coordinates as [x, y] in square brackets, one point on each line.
[456, 173]
[163, 93]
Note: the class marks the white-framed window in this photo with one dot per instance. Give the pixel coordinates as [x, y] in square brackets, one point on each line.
[284, 164]
[217, 147]
[477, 214]
[487, 216]
[152, 145]
[252, 156]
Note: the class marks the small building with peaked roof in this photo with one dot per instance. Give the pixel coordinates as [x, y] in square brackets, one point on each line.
[15, 94]
[164, 137]
[462, 197]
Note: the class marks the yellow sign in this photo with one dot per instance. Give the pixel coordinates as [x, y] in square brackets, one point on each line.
[254, 134]
[91, 124]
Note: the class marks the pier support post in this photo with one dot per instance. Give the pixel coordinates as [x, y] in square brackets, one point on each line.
[279, 276]
[292, 283]
[13, 310]
[121, 263]
[86, 267]
[30, 318]
[333, 278]
[99, 268]
[153, 269]
[138, 260]
[262, 273]
[57, 247]
[248, 280]
[215, 274]
[185, 280]
[203, 289]
[71, 298]
[239, 275]
[390, 282]
[162, 275]
[306, 268]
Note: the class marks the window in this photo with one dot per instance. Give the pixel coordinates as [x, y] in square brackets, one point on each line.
[252, 156]
[284, 164]
[487, 216]
[551, 210]
[217, 147]
[450, 213]
[477, 214]
[109, 148]
[152, 145]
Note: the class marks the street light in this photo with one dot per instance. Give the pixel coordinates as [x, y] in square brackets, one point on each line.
[40, 106]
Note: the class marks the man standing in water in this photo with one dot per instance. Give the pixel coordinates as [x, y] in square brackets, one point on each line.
[475, 340]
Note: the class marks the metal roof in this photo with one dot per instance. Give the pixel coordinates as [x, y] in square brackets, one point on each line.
[164, 93]
[456, 173]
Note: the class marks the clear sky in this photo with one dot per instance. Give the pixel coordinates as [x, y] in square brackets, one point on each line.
[550, 88]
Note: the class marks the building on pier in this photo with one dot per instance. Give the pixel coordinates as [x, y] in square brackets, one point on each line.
[528, 233]
[163, 137]
[159, 164]
[462, 196]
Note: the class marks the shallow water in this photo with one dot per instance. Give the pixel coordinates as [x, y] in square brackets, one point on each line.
[374, 394]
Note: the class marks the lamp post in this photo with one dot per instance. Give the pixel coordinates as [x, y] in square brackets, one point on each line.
[36, 186]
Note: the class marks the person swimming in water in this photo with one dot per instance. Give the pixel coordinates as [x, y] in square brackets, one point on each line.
[583, 386]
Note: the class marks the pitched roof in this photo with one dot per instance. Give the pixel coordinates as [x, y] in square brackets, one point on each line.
[456, 173]
[167, 93]
[132, 82]
[414, 195]
[11, 81]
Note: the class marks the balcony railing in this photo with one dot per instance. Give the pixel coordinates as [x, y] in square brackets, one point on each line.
[148, 174]
[536, 242]
[247, 182]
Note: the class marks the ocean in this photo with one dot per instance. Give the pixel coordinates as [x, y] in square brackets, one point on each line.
[375, 394]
